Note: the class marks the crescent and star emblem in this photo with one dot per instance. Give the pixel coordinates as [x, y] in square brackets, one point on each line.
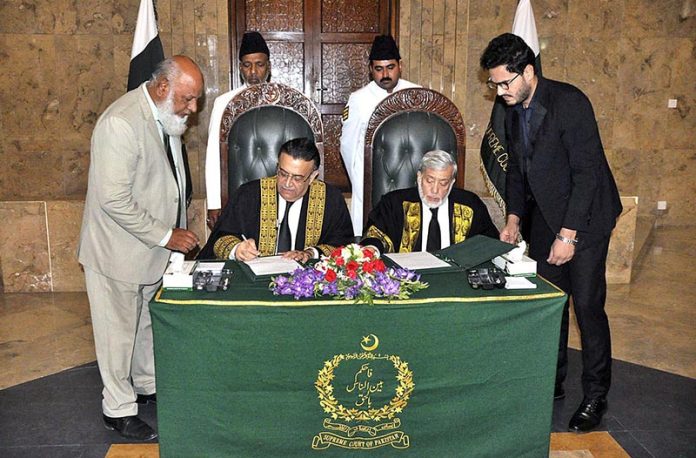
[365, 343]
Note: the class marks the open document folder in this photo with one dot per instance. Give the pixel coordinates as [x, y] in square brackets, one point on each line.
[419, 260]
[262, 268]
[458, 257]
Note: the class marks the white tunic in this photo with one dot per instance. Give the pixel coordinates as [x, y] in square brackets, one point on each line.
[359, 108]
[212, 153]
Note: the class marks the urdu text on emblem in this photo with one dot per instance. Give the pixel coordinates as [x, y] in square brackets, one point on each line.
[362, 394]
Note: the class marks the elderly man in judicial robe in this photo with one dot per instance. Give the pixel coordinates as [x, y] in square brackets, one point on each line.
[430, 216]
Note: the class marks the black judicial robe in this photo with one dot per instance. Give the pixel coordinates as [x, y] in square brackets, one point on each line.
[395, 224]
[252, 212]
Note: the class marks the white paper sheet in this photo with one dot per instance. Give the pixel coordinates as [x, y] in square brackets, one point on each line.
[518, 283]
[271, 265]
[417, 260]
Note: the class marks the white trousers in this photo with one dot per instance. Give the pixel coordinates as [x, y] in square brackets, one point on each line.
[122, 339]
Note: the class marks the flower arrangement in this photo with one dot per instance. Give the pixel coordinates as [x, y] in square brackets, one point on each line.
[350, 272]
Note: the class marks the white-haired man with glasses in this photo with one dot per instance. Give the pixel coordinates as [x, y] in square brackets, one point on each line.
[291, 213]
[430, 216]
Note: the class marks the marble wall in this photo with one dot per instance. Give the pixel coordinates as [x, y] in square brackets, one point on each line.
[64, 62]
[629, 56]
[38, 244]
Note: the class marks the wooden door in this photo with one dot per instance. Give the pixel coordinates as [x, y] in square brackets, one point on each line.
[319, 47]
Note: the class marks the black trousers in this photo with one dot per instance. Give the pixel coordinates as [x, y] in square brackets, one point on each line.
[583, 279]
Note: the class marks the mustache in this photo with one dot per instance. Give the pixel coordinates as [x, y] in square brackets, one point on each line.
[385, 79]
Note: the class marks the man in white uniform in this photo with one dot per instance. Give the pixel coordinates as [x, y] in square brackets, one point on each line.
[255, 68]
[385, 72]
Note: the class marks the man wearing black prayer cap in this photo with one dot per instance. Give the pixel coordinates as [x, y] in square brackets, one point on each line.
[254, 68]
[385, 72]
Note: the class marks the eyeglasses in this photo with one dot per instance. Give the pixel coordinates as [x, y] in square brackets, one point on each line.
[504, 85]
[297, 179]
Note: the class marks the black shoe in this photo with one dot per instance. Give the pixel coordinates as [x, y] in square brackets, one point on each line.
[130, 427]
[146, 398]
[588, 416]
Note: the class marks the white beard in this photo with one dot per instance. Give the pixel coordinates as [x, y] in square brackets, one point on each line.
[173, 124]
[429, 203]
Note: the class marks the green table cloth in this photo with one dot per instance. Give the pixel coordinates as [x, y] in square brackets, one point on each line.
[451, 372]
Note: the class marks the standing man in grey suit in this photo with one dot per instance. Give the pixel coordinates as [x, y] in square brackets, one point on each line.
[135, 216]
[562, 196]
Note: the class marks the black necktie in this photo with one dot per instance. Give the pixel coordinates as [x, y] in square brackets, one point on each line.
[433, 232]
[170, 156]
[284, 231]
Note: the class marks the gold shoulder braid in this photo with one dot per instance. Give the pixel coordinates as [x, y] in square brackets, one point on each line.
[224, 245]
[315, 213]
[412, 224]
[462, 218]
[373, 232]
[268, 216]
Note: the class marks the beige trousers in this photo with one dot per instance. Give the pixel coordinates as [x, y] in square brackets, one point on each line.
[122, 339]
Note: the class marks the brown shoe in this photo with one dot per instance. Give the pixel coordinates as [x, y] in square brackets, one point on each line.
[130, 427]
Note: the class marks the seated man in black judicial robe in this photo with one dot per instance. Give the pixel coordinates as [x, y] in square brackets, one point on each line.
[291, 213]
[428, 217]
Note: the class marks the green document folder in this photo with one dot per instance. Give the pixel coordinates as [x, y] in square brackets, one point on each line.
[474, 251]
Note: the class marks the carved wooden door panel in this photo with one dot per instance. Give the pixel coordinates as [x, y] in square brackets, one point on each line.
[319, 47]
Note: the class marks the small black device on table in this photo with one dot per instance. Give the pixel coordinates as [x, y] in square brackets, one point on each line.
[486, 278]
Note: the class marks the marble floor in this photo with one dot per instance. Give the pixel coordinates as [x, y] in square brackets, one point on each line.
[653, 320]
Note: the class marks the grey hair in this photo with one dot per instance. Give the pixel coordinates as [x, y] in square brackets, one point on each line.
[438, 160]
[167, 69]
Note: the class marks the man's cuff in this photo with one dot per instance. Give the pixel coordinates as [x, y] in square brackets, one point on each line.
[233, 253]
[166, 238]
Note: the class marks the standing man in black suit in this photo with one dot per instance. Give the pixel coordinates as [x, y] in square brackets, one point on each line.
[562, 196]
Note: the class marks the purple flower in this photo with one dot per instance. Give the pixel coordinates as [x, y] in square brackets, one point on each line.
[310, 282]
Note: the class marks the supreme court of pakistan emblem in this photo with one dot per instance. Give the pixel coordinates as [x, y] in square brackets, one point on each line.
[362, 395]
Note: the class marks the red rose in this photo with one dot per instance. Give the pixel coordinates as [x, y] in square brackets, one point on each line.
[367, 252]
[336, 253]
[379, 265]
[352, 266]
[339, 261]
[368, 267]
[330, 275]
[352, 274]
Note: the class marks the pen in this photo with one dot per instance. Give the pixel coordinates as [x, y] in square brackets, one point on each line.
[244, 237]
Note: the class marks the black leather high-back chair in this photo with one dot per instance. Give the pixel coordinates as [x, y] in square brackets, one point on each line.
[404, 127]
[255, 123]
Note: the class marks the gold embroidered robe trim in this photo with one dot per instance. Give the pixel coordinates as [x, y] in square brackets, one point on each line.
[268, 217]
[224, 246]
[412, 225]
[462, 217]
[269, 214]
[374, 232]
[325, 249]
[315, 213]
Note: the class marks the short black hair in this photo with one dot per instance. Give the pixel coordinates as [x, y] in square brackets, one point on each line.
[509, 50]
[302, 148]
